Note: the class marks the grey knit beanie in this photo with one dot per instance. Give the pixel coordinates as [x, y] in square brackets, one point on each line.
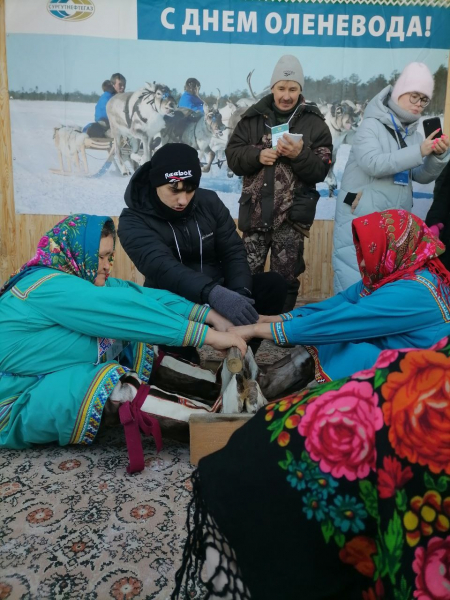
[288, 68]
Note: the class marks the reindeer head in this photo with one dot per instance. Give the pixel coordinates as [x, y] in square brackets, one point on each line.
[213, 118]
[213, 121]
[159, 97]
[344, 117]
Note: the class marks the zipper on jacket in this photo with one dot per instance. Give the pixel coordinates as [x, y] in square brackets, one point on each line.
[188, 236]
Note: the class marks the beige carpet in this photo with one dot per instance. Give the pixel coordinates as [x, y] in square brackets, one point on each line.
[74, 525]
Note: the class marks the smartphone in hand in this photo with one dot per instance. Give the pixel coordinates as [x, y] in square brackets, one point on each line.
[430, 125]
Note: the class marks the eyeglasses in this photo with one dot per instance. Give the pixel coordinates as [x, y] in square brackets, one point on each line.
[415, 98]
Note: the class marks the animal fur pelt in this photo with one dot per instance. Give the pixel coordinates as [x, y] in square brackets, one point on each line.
[290, 374]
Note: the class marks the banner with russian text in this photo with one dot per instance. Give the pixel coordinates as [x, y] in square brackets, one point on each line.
[61, 55]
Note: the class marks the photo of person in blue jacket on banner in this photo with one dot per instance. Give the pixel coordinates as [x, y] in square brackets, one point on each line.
[110, 87]
[190, 98]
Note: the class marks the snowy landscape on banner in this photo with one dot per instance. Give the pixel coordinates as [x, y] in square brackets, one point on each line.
[38, 191]
[56, 68]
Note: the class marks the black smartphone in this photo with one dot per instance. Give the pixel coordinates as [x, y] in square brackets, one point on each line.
[430, 125]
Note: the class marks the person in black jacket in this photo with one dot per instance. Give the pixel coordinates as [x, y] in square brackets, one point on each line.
[183, 239]
[439, 214]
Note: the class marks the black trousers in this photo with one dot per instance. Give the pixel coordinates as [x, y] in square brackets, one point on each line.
[269, 293]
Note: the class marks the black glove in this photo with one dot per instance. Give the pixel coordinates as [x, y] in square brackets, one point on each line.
[234, 307]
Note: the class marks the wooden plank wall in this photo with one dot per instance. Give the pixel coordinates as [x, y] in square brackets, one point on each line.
[19, 234]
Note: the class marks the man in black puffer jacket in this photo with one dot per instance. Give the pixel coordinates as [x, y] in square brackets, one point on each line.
[183, 239]
[439, 213]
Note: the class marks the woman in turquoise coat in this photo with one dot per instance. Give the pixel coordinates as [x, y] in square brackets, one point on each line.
[61, 321]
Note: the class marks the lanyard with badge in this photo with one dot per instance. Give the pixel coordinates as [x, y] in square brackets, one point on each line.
[401, 178]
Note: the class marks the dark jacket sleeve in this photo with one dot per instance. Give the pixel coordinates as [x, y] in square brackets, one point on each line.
[154, 259]
[313, 163]
[231, 252]
[440, 209]
[242, 155]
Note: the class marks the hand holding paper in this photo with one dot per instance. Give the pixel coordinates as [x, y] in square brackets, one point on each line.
[288, 147]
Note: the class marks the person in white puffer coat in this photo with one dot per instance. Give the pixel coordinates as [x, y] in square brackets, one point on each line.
[387, 154]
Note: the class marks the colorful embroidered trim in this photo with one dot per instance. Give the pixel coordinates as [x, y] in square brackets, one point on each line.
[103, 345]
[287, 316]
[278, 333]
[24, 295]
[443, 306]
[143, 361]
[90, 413]
[319, 374]
[195, 334]
[199, 313]
[5, 410]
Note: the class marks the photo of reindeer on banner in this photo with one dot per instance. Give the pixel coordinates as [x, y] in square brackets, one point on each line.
[62, 164]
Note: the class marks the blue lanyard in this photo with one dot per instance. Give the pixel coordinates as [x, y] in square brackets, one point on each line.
[397, 130]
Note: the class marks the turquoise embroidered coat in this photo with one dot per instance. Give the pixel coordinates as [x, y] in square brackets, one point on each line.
[347, 332]
[54, 330]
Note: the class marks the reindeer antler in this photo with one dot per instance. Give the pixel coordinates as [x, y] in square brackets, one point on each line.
[249, 77]
[218, 98]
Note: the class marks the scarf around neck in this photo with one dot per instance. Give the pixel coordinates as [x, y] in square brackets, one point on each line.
[168, 213]
[404, 116]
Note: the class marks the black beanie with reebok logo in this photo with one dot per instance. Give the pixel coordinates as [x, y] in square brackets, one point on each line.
[173, 163]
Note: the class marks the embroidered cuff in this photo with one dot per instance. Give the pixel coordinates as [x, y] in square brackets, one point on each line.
[195, 334]
[286, 316]
[199, 313]
[279, 334]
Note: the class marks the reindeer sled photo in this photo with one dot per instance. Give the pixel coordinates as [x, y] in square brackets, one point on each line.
[135, 120]
[71, 144]
[139, 123]
[203, 132]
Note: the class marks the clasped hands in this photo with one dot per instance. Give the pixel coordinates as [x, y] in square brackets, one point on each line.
[261, 329]
[225, 334]
[286, 146]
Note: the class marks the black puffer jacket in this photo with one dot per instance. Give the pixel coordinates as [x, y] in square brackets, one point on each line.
[151, 242]
[440, 212]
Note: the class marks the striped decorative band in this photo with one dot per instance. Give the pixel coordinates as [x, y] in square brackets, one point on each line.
[279, 334]
[195, 334]
[287, 316]
[199, 313]
[24, 295]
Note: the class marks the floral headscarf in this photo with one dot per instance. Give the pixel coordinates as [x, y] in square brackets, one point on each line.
[394, 244]
[70, 246]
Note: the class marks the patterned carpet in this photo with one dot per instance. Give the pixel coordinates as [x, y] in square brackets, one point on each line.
[75, 525]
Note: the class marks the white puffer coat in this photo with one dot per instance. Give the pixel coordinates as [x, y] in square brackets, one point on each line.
[374, 159]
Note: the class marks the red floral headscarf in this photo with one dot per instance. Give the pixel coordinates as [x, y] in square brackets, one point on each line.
[394, 244]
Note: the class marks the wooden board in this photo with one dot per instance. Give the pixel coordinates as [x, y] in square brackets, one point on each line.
[211, 432]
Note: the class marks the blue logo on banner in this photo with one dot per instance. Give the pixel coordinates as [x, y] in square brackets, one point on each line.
[71, 10]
